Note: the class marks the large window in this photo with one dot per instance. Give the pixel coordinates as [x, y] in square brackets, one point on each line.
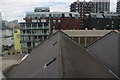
[76, 39]
[82, 41]
[34, 25]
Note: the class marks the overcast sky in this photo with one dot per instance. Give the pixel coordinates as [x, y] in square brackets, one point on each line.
[16, 9]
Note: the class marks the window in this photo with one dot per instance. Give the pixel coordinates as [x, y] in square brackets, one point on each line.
[82, 41]
[34, 20]
[112, 22]
[43, 20]
[76, 39]
[54, 16]
[18, 36]
[63, 15]
[59, 21]
[67, 21]
[54, 21]
[50, 15]
[34, 25]
[23, 31]
[43, 15]
[15, 31]
[76, 16]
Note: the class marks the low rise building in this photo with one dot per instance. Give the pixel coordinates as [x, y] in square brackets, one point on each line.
[85, 37]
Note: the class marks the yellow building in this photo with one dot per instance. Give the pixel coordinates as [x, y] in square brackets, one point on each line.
[17, 45]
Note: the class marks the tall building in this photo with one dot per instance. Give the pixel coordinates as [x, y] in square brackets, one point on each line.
[118, 6]
[83, 8]
[101, 21]
[0, 21]
[4, 24]
[101, 6]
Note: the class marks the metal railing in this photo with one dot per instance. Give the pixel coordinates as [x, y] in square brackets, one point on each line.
[22, 28]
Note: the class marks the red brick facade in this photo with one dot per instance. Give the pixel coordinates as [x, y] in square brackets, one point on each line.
[62, 23]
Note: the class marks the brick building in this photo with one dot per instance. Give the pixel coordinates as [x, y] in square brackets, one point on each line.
[101, 21]
[57, 20]
[118, 6]
[83, 8]
[39, 25]
[101, 6]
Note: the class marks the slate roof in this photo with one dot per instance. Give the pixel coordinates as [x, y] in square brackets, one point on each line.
[60, 57]
[106, 50]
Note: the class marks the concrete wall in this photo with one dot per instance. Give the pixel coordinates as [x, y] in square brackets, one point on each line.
[82, 33]
[85, 37]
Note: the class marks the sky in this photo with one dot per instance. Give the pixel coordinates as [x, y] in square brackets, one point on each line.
[16, 9]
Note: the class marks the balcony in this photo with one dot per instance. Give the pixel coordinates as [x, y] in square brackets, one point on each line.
[27, 47]
[35, 34]
[33, 28]
[34, 40]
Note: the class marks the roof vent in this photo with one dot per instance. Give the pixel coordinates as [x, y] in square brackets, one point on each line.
[50, 62]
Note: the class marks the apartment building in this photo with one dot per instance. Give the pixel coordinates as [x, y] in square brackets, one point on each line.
[39, 24]
[57, 20]
[118, 7]
[83, 8]
[101, 6]
[101, 21]
[42, 9]
[32, 34]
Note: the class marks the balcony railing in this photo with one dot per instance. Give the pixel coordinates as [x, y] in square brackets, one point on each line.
[34, 40]
[35, 34]
[27, 47]
[23, 28]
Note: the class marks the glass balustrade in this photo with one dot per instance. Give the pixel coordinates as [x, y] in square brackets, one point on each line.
[46, 27]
